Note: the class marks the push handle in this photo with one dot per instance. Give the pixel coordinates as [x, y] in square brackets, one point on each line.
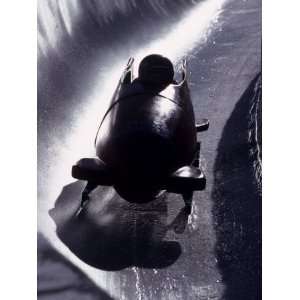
[203, 125]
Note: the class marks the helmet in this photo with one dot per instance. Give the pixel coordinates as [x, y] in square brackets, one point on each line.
[156, 69]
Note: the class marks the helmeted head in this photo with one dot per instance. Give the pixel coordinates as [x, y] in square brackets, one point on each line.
[156, 69]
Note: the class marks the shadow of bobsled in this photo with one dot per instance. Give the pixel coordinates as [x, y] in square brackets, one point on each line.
[112, 234]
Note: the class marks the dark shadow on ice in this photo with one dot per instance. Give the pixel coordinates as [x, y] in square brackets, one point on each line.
[237, 202]
[112, 234]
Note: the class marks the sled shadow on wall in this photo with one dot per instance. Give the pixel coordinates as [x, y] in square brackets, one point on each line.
[112, 234]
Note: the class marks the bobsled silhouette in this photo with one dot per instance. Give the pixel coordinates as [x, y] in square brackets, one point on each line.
[147, 142]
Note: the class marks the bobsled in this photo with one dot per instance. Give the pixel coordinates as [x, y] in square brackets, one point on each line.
[147, 142]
